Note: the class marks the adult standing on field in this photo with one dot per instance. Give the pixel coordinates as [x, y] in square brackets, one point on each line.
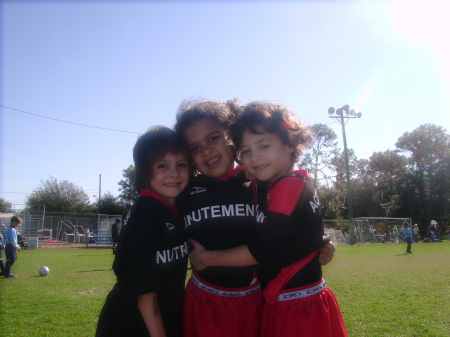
[395, 234]
[416, 233]
[87, 234]
[115, 234]
[437, 231]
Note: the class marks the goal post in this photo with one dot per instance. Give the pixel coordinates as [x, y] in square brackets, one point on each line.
[366, 229]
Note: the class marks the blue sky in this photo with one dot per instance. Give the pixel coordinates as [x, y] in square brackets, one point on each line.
[127, 65]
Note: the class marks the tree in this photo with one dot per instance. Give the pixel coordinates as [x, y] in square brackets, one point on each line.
[428, 153]
[128, 193]
[57, 196]
[388, 169]
[321, 149]
[109, 204]
[6, 206]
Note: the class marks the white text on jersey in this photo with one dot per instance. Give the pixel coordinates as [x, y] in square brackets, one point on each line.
[219, 211]
[168, 255]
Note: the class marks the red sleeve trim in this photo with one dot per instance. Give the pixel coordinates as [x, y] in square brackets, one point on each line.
[283, 197]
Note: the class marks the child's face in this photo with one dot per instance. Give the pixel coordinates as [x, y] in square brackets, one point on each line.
[170, 176]
[15, 224]
[211, 148]
[266, 156]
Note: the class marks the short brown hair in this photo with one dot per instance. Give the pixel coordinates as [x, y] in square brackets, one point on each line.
[17, 219]
[152, 146]
[273, 118]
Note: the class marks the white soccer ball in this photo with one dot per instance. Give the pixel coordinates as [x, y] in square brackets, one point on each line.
[43, 271]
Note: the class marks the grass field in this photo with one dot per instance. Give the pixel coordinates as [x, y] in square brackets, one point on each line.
[381, 290]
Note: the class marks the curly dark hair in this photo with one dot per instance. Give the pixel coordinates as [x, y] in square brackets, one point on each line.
[273, 118]
[225, 114]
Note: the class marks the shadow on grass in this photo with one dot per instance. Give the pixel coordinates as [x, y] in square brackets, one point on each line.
[88, 271]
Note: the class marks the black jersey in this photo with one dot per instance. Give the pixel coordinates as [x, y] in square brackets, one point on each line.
[151, 257]
[289, 229]
[219, 213]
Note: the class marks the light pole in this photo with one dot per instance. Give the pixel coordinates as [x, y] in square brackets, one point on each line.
[343, 120]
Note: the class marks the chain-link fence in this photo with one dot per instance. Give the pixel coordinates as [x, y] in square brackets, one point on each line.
[56, 226]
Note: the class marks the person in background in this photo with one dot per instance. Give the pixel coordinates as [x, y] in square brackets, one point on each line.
[408, 237]
[415, 233]
[437, 231]
[432, 230]
[115, 234]
[2, 265]
[87, 235]
[395, 234]
[11, 245]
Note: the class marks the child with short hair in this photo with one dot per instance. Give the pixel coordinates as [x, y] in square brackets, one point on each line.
[151, 257]
[269, 140]
[407, 234]
[11, 245]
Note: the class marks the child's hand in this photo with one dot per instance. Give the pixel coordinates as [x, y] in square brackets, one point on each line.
[326, 253]
[198, 255]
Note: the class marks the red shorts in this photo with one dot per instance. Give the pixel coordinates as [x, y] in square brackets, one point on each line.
[310, 311]
[212, 311]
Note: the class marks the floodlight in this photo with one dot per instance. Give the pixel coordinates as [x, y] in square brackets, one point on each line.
[345, 108]
[352, 112]
[331, 110]
[339, 111]
[359, 115]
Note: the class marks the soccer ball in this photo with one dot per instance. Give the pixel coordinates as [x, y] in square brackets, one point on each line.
[43, 271]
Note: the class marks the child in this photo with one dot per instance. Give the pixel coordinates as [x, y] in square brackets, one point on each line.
[222, 301]
[297, 302]
[408, 237]
[11, 246]
[151, 257]
[218, 209]
[2, 266]
[87, 235]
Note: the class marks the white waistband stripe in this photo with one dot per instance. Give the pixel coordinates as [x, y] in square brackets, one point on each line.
[302, 293]
[226, 293]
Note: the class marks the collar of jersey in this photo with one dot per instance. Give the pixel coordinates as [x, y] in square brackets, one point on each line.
[301, 171]
[148, 193]
[230, 173]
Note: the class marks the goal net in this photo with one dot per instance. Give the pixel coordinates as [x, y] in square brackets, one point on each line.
[367, 230]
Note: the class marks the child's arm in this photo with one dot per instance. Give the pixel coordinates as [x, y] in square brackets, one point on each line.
[239, 256]
[236, 257]
[149, 308]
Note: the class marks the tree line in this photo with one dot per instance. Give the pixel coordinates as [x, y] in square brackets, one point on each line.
[412, 181]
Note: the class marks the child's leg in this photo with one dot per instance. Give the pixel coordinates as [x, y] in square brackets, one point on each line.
[10, 252]
[8, 266]
[2, 267]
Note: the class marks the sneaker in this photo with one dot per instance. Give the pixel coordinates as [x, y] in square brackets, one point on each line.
[10, 276]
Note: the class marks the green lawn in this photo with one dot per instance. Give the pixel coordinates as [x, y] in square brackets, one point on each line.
[381, 290]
